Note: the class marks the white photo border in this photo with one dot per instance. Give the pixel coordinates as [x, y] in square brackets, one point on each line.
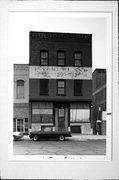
[109, 53]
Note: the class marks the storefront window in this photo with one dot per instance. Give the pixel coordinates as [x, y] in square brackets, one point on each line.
[20, 125]
[79, 114]
[14, 125]
[42, 112]
[26, 124]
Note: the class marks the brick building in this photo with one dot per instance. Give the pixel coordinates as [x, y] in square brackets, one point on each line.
[21, 98]
[60, 82]
[99, 101]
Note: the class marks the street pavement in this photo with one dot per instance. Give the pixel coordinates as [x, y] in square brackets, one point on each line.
[75, 145]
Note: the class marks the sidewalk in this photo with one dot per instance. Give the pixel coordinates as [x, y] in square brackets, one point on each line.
[89, 136]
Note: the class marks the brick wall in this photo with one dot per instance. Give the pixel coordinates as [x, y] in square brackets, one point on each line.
[86, 90]
[21, 110]
[53, 44]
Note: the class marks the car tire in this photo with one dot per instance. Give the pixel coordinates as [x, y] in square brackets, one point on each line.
[61, 137]
[36, 138]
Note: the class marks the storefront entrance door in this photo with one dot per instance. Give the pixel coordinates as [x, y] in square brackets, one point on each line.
[61, 119]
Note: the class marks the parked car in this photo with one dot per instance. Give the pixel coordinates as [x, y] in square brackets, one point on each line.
[36, 135]
[17, 135]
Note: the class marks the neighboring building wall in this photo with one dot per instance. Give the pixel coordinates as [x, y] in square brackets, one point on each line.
[52, 103]
[99, 101]
[21, 97]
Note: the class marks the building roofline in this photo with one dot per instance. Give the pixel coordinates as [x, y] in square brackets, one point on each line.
[99, 69]
[60, 36]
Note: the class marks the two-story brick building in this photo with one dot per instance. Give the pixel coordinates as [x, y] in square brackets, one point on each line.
[21, 98]
[60, 82]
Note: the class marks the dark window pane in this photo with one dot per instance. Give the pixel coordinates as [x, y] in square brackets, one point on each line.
[77, 87]
[20, 83]
[44, 87]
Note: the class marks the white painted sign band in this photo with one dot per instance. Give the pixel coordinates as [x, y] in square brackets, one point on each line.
[55, 72]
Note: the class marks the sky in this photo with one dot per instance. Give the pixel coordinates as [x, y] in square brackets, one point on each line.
[20, 23]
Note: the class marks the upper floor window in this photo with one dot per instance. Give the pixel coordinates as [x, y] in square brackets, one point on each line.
[20, 89]
[78, 58]
[77, 87]
[61, 58]
[44, 58]
[44, 87]
[61, 87]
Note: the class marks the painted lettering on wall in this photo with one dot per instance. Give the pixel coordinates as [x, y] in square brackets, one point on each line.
[54, 72]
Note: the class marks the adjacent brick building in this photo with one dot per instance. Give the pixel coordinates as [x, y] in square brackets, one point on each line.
[60, 82]
[21, 98]
[99, 101]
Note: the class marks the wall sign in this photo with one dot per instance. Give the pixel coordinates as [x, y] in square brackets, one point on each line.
[54, 72]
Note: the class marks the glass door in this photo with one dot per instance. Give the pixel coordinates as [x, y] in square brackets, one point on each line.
[61, 118]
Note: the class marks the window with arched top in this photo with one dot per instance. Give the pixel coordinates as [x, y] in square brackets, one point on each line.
[20, 89]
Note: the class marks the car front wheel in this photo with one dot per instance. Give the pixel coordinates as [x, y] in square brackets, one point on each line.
[36, 138]
[61, 137]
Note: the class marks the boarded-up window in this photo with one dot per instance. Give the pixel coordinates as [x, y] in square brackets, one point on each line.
[77, 87]
[44, 87]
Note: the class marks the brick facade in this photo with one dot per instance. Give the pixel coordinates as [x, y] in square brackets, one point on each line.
[53, 43]
[21, 103]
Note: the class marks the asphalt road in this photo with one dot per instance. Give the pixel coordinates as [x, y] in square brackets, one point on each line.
[76, 145]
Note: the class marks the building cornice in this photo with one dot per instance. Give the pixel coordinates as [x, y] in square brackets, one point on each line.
[60, 36]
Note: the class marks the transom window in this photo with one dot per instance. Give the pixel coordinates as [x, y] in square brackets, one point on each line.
[20, 89]
[44, 58]
[61, 58]
[77, 58]
[61, 87]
